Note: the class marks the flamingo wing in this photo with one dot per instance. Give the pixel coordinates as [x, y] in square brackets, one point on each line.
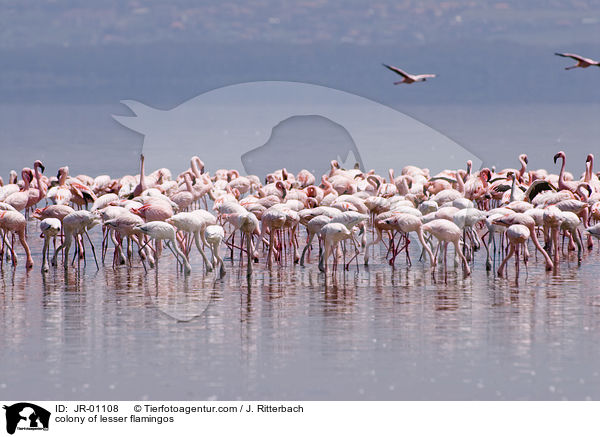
[537, 187]
[397, 71]
[574, 56]
[568, 55]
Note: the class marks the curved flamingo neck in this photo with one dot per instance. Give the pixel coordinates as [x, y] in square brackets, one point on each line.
[42, 188]
[188, 182]
[460, 183]
[197, 166]
[581, 193]
[523, 167]
[63, 177]
[142, 177]
[561, 176]
[38, 174]
[512, 188]
[589, 165]
[25, 177]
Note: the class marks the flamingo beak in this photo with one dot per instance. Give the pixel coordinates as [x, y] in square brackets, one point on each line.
[556, 157]
[526, 159]
[42, 168]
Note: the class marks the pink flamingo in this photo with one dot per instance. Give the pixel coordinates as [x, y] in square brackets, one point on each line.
[447, 232]
[141, 186]
[53, 211]
[409, 78]
[157, 210]
[581, 61]
[13, 221]
[562, 184]
[517, 236]
[50, 228]
[528, 221]
[184, 198]
[332, 234]
[19, 200]
[38, 193]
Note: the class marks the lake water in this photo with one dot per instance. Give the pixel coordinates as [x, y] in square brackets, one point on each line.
[289, 333]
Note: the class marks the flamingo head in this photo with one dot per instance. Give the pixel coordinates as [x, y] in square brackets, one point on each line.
[560, 154]
[590, 158]
[485, 173]
[38, 164]
[27, 173]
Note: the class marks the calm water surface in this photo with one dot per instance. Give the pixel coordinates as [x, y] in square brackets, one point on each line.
[376, 333]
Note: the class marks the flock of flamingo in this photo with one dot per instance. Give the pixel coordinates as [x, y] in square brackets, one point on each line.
[350, 212]
[407, 78]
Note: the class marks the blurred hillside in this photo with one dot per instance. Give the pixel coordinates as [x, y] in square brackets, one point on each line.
[166, 52]
[27, 23]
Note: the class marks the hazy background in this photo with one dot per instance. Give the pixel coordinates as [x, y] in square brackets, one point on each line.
[500, 89]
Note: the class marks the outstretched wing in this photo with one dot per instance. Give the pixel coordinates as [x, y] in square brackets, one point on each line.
[537, 187]
[571, 55]
[397, 71]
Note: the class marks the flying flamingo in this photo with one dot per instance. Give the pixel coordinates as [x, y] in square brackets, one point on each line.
[409, 78]
[581, 61]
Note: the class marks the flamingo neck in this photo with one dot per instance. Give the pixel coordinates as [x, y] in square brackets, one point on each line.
[460, 183]
[561, 175]
[142, 177]
[188, 182]
[523, 168]
[512, 188]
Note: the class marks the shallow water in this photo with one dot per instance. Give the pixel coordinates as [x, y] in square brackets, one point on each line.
[368, 333]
